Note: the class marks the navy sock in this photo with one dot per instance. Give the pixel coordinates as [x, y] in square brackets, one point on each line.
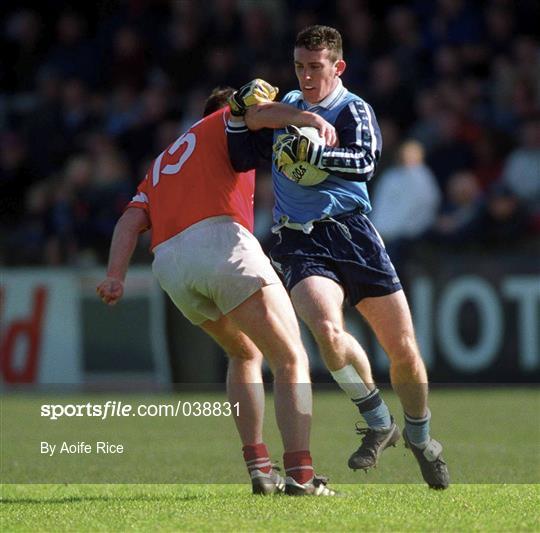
[374, 411]
[418, 429]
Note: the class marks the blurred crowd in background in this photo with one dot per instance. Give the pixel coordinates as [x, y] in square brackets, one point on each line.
[90, 92]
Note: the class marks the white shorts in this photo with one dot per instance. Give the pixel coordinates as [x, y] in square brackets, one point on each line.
[211, 267]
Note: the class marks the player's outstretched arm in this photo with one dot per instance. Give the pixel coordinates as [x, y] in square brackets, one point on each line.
[125, 237]
[276, 115]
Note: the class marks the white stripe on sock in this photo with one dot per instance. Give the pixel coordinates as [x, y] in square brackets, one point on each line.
[299, 468]
[257, 459]
[259, 465]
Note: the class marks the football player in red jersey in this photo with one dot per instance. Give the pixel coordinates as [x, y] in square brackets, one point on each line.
[200, 211]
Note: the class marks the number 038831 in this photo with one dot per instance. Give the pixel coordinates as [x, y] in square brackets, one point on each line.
[210, 409]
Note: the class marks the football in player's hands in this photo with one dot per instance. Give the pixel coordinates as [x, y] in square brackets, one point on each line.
[298, 144]
[295, 153]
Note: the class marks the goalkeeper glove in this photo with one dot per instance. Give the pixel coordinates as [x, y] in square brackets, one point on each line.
[293, 146]
[255, 92]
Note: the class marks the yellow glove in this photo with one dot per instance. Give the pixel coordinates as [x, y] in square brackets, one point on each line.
[295, 145]
[255, 92]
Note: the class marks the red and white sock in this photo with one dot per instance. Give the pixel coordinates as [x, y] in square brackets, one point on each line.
[298, 465]
[257, 458]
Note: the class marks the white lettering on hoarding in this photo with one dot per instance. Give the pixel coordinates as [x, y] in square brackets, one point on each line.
[526, 291]
[460, 355]
[422, 309]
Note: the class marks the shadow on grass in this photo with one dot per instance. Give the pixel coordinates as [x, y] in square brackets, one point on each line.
[76, 499]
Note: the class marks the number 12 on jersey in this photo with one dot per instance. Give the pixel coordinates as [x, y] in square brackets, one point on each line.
[190, 140]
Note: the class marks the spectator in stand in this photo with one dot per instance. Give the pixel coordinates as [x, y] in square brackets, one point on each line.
[426, 127]
[451, 154]
[463, 201]
[502, 220]
[128, 64]
[406, 44]
[70, 210]
[28, 242]
[392, 139]
[109, 192]
[193, 106]
[496, 220]
[16, 177]
[403, 218]
[156, 102]
[359, 29]
[259, 25]
[488, 149]
[41, 126]
[389, 97]
[499, 27]
[515, 84]
[76, 115]
[123, 108]
[447, 64]
[23, 52]
[521, 174]
[454, 22]
[224, 22]
[73, 55]
[183, 46]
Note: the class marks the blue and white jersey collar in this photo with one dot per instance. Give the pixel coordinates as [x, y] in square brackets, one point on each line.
[330, 101]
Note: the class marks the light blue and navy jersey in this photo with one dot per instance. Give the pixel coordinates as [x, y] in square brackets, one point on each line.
[350, 165]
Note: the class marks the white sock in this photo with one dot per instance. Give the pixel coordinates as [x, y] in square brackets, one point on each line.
[351, 383]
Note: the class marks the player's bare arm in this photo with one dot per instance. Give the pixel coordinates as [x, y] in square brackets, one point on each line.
[126, 234]
[276, 115]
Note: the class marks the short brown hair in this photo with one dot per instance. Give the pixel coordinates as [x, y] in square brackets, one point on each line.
[217, 99]
[320, 37]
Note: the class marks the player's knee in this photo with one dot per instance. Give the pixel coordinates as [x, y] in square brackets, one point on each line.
[404, 350]
[240, 352]
[329, 335]
[288, 370]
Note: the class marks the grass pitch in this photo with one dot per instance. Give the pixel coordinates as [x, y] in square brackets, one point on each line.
[491, 440]
[232, 508]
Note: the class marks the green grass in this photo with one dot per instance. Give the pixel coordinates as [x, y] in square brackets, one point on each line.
[232, 508]
[491, 439]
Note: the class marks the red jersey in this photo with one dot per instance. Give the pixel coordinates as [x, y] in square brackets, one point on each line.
[193, 179]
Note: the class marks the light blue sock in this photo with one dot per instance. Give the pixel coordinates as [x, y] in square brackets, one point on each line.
[369, 402]
[418, 429]
[374, 411]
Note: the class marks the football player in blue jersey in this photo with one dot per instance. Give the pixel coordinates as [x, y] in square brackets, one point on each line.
[329, 253]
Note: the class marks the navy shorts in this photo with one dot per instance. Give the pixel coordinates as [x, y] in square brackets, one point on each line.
[347, 249]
